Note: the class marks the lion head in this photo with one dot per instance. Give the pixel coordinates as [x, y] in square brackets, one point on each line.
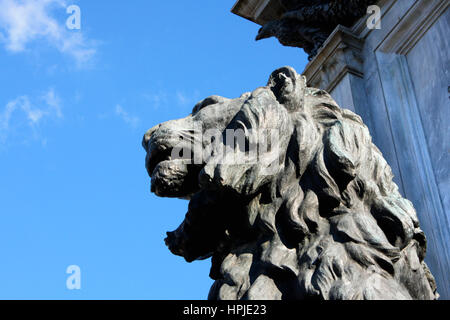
[290, 198]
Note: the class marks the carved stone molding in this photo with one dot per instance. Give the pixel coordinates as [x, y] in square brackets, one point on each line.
[340, 54]
[301, 24]
[258, 11]
[413, 26]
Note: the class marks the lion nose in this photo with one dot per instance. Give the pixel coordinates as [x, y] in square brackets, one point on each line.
[148, 135]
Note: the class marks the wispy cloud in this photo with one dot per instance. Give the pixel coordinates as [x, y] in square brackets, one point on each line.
[178, 98]
[182, 98]
[187, 99]
[21, 113]
[129, 119]
[53, 102]
[156, 100]
[25, 21]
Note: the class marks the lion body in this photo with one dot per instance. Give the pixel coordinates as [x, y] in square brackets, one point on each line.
[326, 222]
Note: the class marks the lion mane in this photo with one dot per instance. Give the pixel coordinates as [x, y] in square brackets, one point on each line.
[329, 223]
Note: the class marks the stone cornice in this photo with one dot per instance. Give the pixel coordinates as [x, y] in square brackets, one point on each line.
[340, 54]
[258, 11]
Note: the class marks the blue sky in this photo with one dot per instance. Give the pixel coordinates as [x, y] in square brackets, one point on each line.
[74, 105]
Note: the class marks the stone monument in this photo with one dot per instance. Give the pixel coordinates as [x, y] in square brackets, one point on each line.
[396, 76]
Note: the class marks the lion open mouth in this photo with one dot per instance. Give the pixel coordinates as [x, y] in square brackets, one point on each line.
[173, 177]
[156, 156]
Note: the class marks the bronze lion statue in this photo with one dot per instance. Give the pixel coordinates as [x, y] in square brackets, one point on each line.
[313, 214]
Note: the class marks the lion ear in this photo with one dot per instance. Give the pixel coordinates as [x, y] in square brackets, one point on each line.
[288, 87]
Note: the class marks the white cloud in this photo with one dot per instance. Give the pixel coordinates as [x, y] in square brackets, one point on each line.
[184, 99]
[174, 98]
[129, 119]
[157, 100]
[22, 108]
[53, 102]
[24, 21]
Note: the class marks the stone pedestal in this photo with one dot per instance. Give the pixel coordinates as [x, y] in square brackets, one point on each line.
[397, 79]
